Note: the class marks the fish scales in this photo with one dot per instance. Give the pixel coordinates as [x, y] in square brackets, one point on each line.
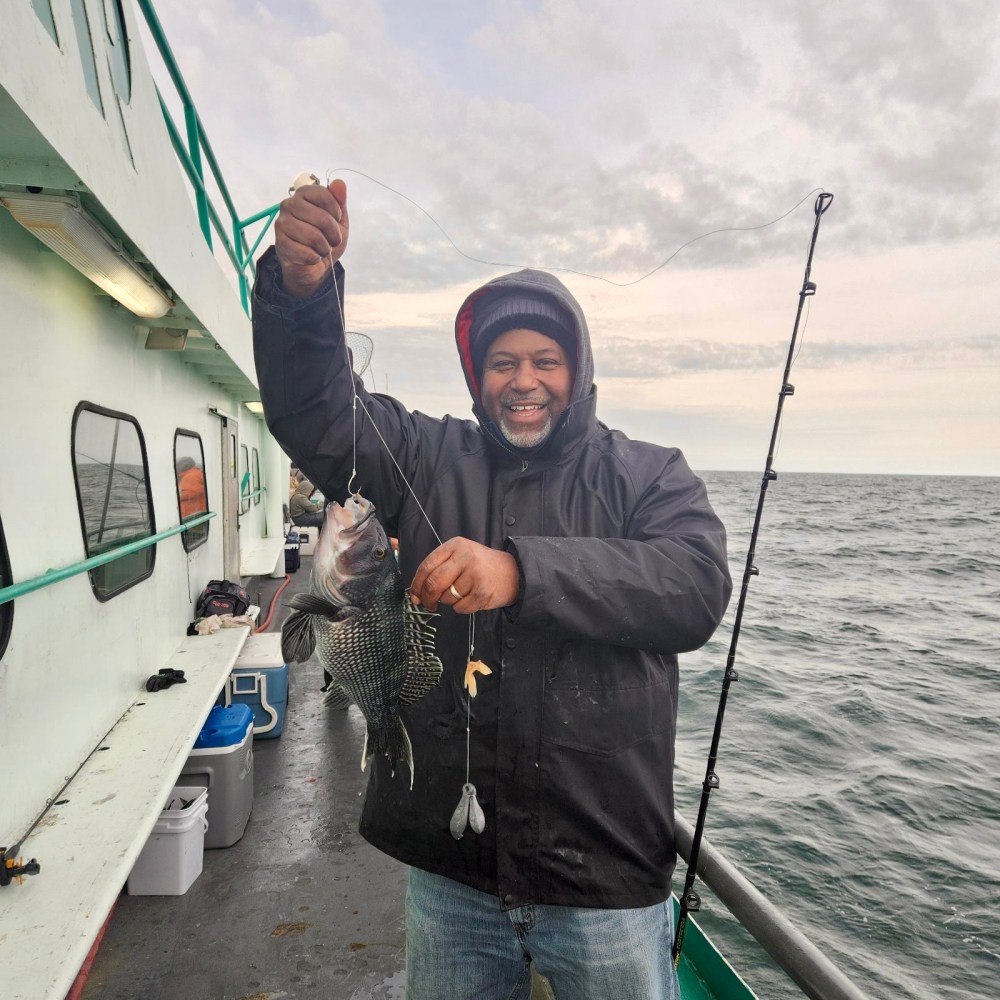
[376, 647]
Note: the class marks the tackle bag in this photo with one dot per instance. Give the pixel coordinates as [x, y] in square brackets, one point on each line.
[221, 597]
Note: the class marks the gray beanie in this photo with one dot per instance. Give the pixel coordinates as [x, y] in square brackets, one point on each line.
[517, 310]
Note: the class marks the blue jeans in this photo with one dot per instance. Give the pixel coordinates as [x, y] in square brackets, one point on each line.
[461, 946]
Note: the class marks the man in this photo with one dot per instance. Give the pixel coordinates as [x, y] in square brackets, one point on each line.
[590, 561]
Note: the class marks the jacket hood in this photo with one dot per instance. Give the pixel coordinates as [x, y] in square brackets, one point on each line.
[534, 282]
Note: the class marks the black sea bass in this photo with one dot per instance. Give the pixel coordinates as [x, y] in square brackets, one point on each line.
[377, 646]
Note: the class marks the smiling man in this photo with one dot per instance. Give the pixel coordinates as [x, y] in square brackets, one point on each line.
[590, 561]
[526, 383]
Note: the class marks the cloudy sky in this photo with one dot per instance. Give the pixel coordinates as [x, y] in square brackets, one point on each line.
[596, 137]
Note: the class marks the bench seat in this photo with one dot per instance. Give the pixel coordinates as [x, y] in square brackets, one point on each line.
[260, 556]
[87, 844]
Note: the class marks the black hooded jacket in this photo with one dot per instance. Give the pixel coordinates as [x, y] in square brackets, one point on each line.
[623, 567]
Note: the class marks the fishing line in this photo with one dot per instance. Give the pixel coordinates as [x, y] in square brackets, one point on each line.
[570, 270]
[355, 402]
[57, 799]
[312, 179]
[107, 465]
[469, 812]
[689, 899]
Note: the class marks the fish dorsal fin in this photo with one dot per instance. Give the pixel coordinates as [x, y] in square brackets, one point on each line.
[423, 669]
[297, 639]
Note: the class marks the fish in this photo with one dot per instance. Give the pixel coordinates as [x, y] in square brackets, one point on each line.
[376, 647]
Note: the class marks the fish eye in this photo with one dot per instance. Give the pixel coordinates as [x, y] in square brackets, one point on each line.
[380, 552]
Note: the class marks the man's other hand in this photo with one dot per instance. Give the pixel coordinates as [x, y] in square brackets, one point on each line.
[467, 576]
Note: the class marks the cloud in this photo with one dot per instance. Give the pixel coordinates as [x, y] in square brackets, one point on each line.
[601, 137]
[605, 137]
[631, 358]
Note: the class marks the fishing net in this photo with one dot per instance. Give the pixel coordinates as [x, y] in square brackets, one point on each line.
[360, 345]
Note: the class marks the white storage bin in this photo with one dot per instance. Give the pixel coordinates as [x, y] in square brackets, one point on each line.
[173, 855]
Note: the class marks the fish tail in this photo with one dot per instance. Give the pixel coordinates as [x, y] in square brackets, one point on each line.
[392, 740]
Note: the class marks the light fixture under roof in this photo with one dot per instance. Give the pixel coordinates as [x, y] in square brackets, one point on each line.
[63, 226]
[254, 405]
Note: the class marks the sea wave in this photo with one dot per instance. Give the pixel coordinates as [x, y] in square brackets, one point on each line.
[860, 756]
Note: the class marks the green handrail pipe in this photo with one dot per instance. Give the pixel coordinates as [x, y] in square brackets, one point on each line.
[194, 146]
[191, 159]
[198, 184]
[16, 590]
[245, 498]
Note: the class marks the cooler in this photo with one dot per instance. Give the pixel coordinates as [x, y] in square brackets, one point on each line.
[172, 857]
[308, 537]
[260, 679]
[222, 762]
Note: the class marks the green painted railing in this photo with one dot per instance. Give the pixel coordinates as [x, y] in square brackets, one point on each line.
[16, 590]
[191, 154]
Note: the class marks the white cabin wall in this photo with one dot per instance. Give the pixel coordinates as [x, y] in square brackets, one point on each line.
[141, 185]
[75, 664]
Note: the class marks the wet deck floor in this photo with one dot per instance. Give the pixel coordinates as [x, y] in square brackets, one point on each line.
[301, 906]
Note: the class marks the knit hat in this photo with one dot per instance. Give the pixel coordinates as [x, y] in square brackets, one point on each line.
[516, 310]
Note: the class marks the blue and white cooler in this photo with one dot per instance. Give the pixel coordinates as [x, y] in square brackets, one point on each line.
[260, 679]
[222, 762]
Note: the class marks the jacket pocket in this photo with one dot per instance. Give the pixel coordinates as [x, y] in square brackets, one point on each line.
[605, 706]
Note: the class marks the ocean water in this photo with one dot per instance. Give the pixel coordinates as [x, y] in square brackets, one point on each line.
[860, 756]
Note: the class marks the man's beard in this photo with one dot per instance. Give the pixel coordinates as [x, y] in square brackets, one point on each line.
[526, 439]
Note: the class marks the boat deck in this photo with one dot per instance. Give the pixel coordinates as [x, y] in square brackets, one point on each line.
[301, 906]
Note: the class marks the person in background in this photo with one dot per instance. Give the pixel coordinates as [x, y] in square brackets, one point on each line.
[303, 509]
[190, 488]
[589, 561]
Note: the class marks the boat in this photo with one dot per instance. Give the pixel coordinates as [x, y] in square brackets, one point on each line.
[138, 469]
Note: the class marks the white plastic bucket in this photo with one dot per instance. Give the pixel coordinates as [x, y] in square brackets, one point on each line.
[172, 857]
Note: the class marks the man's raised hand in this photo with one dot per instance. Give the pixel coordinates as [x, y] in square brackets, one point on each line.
[311, 234]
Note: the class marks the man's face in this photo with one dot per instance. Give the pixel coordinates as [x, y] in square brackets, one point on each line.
[527, 380]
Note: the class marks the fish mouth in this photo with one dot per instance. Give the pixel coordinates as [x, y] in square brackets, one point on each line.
[346, 517]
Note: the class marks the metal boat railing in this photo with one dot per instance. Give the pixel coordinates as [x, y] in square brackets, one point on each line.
[16, 590]
[191, 155]
[812, 971]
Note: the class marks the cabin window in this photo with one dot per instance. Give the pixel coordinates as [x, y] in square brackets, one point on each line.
[192, 493]
[244, 479]
[43, 8]
[88, 62]
[119, 58]
[112, 487]
[6, 580]
[255, 475]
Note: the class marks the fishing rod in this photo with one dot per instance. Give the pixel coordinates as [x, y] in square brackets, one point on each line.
[690, 900]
